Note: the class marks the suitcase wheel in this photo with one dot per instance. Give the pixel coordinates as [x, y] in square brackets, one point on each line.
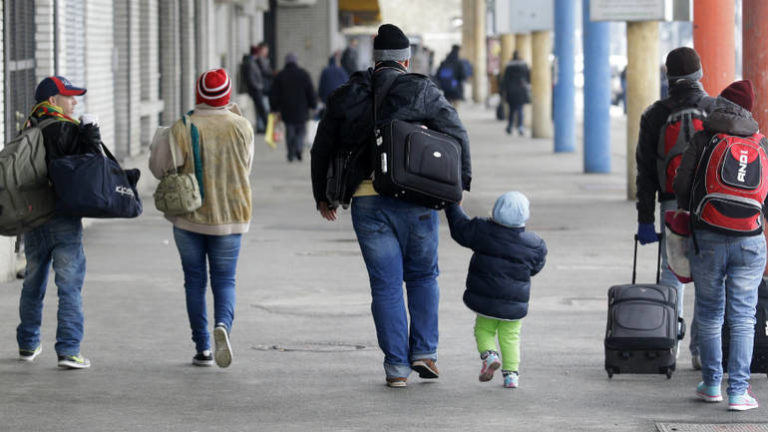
[669, 373]
[609, 371]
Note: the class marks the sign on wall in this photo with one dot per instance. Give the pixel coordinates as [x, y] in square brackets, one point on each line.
[523, 16]
[640, 10]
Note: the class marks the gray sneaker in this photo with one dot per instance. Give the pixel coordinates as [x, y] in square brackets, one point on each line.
[30, 355]
[222, 352]
[74, 362]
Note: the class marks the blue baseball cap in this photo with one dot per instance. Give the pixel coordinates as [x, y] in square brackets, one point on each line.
[55, 85]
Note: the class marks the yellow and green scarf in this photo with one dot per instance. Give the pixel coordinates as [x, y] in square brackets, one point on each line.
[45, 108]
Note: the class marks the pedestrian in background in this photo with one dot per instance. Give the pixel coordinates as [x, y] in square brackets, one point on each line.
[293, 96]
[60, 240]
[499, 280]
[516, 88]
[398, 239]
[254, 81]
[349, 60]
[267, 73]
[727, 264]
[451, 75]
[331, 78]
[208, 239]
[664, 121]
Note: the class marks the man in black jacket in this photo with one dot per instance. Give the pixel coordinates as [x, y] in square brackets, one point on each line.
[254, 81]
[60, 240]
[292, 96]
[398, 240]
[684, 72]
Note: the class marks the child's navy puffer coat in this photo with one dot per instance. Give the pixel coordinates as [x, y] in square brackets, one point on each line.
[499, 279]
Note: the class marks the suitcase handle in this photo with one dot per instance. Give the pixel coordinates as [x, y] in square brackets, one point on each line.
[658, 260]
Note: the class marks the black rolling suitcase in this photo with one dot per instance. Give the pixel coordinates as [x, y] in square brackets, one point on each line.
[760, 350]
[643, 327]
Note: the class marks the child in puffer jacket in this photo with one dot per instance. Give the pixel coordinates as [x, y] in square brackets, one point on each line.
[499, 279]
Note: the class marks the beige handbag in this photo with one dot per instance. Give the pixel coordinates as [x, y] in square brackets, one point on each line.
[177, 194]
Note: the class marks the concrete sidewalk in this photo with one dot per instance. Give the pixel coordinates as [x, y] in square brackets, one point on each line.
[306, 356]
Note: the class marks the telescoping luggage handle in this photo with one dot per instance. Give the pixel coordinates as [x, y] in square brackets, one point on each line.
[658, 260]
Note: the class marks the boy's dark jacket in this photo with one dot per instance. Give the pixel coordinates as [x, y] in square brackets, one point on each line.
[499, 279]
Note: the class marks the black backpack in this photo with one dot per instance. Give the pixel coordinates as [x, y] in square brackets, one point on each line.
[413, 163]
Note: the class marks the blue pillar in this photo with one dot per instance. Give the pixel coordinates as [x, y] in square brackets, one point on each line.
[597, 94]
[564, 99]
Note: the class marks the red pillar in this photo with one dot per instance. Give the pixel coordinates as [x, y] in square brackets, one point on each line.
[755, 58]
[714, 40]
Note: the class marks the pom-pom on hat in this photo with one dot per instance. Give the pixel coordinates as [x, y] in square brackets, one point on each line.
[214, 88]
[391, 44]
[511, 210]
[741, 93]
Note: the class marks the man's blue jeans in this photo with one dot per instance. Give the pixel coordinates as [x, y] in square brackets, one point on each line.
[58, 241]
[726, 271]
[398, 241]
[222, 253]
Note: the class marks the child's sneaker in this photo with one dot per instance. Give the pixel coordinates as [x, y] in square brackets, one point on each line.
[742, 402]
[708, 393]
[511, 379]
[491, 362]
[30, 355]
[74, 362]
[223, 349]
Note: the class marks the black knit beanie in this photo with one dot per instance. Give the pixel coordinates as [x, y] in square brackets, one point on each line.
[391, 44]
[683, 63]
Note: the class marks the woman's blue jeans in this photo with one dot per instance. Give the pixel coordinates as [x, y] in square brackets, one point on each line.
[726, 272]
[221, 253]
[398, 241]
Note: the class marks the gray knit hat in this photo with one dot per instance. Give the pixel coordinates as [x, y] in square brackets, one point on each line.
[391, 44]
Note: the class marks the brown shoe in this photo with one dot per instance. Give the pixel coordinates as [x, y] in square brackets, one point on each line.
[426, 368]
[396, 382]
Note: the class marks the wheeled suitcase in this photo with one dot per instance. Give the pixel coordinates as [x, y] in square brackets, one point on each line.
[643, 328]
[760, 349]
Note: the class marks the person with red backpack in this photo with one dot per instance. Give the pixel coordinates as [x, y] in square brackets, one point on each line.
[723, 181]
[666, 129]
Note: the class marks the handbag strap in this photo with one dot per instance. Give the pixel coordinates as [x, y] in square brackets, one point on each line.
[195, 138]
[172, 145]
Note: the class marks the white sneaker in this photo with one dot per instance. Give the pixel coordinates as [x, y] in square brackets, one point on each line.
[30, 355]
[222, 352]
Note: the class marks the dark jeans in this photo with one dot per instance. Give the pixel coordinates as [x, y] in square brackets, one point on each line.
[294, 139]
[515, 111]
[58, 241]
[261, 110]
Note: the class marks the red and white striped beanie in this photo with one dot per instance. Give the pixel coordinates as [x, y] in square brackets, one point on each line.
[214, 88]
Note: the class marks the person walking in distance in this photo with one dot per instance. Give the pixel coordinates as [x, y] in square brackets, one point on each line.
[666, 129]
[215, 142]
[398, 239]
[515, 85]
[293, 96]
[723, 181]
[254, 81]
[60, 240]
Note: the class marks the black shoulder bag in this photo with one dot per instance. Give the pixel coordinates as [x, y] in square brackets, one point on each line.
[413, 163]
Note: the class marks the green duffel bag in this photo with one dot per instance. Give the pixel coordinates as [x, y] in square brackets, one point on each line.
[177, 194]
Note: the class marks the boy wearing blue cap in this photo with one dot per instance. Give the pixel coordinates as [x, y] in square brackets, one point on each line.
[499, 279]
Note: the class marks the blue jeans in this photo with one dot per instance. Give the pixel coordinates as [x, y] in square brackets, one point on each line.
[669, 278]
[222, 253]
[515, 113]
[726, 273]
[398, 241]
[58, 241]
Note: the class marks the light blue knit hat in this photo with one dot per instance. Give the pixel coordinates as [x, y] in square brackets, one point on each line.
[511, 210]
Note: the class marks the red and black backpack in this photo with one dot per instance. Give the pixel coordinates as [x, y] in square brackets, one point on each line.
[730, 184]
[675, 136]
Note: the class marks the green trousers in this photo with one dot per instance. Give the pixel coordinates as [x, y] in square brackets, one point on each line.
[509, 339]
